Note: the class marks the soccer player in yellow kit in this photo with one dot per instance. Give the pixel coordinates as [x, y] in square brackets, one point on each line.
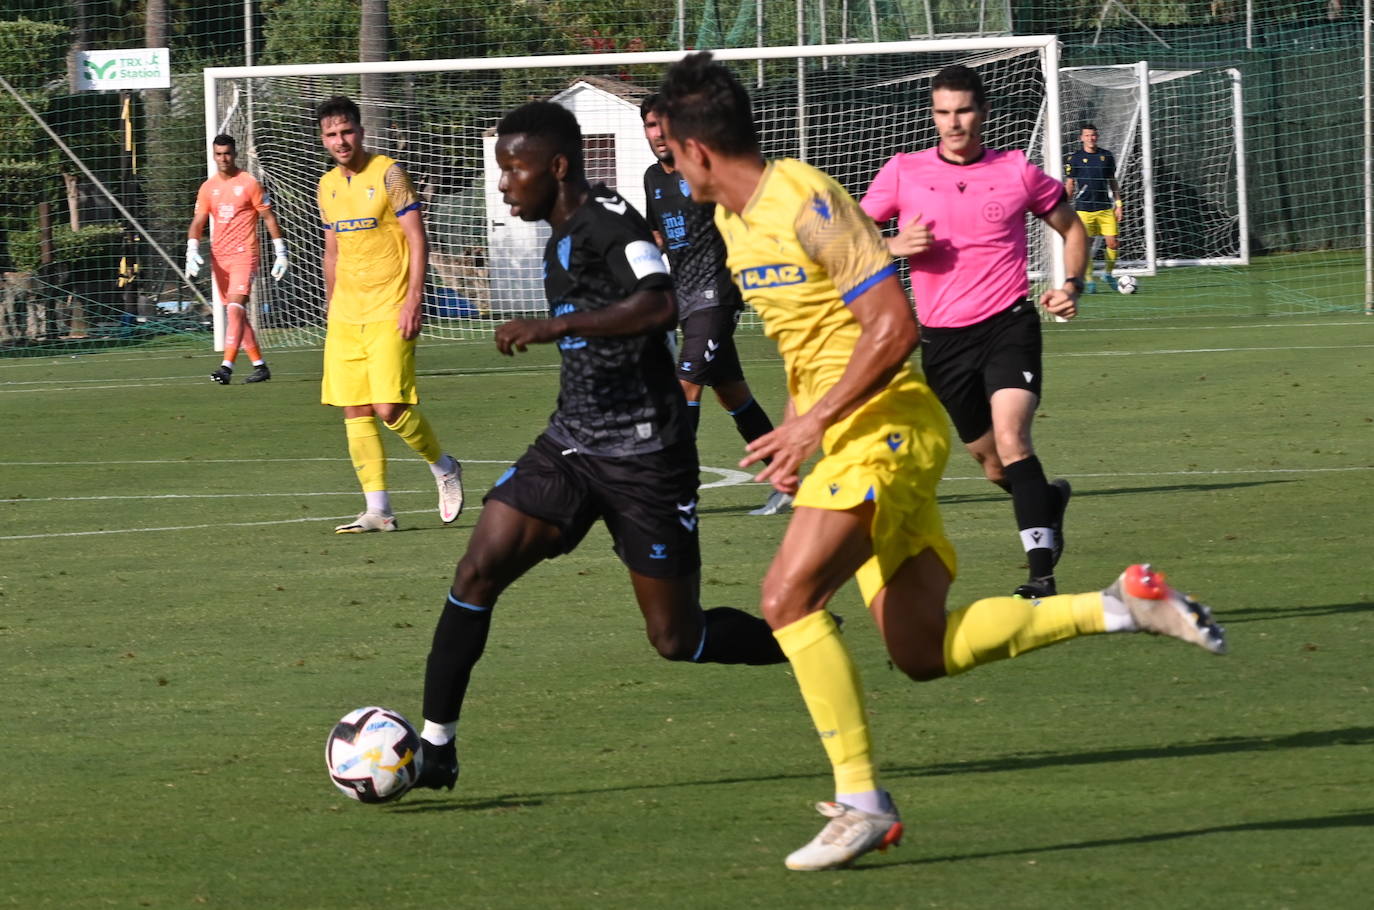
[814, 266]
[375, 252]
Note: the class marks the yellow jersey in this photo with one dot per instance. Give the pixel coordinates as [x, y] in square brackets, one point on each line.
[372, 273]
[801, 250]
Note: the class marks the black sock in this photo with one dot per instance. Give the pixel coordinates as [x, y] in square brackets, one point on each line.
[751, 420]
[459, 639]
[694, 416]
[1034, 501]
[736, 637]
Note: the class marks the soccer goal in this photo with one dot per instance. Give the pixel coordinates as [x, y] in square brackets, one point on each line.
[844, 108]
[1179, 141]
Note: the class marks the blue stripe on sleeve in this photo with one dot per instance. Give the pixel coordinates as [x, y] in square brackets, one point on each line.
[857, 291]
[414, 206]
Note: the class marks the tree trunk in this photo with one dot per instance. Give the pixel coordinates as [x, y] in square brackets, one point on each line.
[374, 46]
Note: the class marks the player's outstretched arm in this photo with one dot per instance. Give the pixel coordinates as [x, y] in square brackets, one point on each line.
[1063, 301]
[641, 313]
[889, 335]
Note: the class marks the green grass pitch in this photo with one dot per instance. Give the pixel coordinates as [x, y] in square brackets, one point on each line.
[179, 629]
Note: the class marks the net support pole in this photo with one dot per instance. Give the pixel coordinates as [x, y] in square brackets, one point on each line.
[1242, 194]
[211, 129]
[1053, 151]
[1368, 73]
[1147, 163]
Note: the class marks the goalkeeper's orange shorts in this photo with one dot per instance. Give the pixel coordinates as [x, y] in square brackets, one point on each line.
[233, 275]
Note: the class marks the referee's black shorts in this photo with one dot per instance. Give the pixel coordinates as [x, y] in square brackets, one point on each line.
[648, 502]
[965, 365]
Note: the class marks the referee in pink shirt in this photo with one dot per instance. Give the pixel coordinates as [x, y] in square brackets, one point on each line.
[960, 210]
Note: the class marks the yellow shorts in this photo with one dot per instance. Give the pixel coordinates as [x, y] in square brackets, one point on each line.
[891, 452]
[368, 364]
[1099, 224]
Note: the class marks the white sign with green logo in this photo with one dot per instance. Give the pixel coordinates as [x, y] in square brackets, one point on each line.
[146, 67]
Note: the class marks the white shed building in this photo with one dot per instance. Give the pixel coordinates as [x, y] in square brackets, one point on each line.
[615, 153]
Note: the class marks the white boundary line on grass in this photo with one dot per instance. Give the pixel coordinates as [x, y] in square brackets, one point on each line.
[729, 477]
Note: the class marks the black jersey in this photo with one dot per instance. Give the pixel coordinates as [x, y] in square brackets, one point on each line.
[616, 396]
[695, 249]
[1092, 173]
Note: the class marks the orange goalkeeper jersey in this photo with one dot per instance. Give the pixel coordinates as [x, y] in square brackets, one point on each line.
[233, 205]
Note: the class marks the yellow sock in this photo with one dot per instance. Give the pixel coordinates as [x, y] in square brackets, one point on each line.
[365, 448]
[997, 628]
[830, 686]
[1110, 255]
[418, 434]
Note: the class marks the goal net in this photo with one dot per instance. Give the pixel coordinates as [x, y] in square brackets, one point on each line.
[1178, 139]
[844, 108]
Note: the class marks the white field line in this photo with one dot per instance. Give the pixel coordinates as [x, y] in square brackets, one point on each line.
[437, 346]
[729, 477]
[95, 385]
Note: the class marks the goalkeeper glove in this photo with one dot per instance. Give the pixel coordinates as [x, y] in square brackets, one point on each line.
[279, 266]
[193, 258]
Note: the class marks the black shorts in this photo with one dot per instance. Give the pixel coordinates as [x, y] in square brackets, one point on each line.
[708, 355]
[964, 366]
[648, 502]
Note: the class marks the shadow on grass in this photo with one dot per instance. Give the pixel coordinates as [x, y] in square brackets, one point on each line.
[961, 498]
[1264, 614]
[1356, 818]
[1348, 736]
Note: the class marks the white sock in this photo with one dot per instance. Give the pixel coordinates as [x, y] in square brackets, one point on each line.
[444, 465]
[438, 734]
[378, 501]
[259, 363]
[227, 364]
[1115, 616]
[876, 802]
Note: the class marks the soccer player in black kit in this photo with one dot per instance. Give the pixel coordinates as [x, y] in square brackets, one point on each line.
[708, 301]
[618, 448]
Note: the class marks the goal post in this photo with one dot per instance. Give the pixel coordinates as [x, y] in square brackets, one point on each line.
[1179, 140]
[844, 108]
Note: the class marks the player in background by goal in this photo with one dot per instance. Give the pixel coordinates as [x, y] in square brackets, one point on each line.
[233, 201]
[708, 301]
[961, 211]
[375, 256]
[815, 268]
[1090, 181]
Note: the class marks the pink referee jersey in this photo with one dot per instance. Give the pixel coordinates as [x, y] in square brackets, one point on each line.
[233, 206]
[976, 266]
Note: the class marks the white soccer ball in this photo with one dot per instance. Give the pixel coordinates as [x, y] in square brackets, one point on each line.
[1127, 284]
[373, 755]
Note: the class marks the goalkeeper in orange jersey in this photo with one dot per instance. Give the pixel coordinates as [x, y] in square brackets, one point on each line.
[234, 201]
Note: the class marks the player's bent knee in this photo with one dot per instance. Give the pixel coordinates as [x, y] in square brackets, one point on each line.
[920, 667]
[675, 644]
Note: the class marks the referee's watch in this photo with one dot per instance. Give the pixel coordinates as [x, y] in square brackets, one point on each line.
[1076, 282]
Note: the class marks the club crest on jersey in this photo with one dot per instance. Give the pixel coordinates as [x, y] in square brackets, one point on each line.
[371, 191]
[238, 190]
[772, 276]
[684, 188]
